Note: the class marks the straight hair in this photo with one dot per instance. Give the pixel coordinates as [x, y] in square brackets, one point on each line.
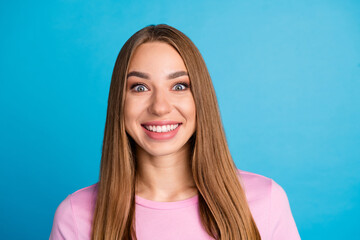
[223, 207]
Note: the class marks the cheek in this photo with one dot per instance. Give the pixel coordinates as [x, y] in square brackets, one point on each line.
[189, 109]
[130, 113]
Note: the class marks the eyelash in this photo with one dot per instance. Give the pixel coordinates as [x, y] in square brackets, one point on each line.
[184, 84]
[142, 84]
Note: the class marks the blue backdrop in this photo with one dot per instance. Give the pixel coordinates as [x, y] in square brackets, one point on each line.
[286, 73]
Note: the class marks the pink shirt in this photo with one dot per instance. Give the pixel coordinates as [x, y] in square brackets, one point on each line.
[180, 220]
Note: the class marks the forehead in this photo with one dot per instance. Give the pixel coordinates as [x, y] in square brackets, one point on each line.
[156, 56]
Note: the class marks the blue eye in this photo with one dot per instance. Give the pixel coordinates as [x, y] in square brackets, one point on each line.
[180, 86]
[139, 88]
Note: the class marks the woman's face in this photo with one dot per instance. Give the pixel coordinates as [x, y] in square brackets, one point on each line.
[159, 109]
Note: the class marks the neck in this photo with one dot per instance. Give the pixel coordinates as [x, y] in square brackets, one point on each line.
[164, 178]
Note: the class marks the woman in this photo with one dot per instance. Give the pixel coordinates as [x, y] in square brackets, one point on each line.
[166, 170]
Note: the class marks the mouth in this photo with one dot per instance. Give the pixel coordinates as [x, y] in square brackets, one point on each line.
[161, 128]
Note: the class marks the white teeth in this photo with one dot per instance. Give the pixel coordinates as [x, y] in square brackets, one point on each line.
[163, 128]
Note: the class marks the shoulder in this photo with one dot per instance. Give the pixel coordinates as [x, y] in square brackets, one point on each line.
[84, 197]
[256, 186]
[74, 214]
[269, 206]
[83, 200]
[262, 190]
[251, 179]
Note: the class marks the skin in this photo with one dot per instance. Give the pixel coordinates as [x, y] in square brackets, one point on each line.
[160, 92]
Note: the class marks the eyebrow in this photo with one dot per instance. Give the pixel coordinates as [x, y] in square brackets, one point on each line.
[177, 74]
[146, 76]
[138, 74]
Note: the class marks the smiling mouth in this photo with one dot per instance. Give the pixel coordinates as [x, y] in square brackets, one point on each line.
[162, 128]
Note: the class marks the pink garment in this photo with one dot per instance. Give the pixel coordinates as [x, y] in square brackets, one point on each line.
[180, 220]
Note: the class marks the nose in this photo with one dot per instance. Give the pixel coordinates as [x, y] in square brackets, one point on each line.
[160, 104]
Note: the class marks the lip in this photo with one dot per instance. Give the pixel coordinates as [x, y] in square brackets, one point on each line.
[162, 135]
[160, 123]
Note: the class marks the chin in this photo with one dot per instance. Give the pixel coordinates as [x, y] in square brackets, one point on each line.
[162, 152]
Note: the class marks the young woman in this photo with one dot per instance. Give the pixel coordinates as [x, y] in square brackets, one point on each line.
[166, 170]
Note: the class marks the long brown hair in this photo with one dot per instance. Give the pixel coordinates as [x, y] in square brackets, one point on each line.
[223, 207]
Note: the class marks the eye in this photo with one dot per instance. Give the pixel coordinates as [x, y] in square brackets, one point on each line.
[137, 87]
[180, 86]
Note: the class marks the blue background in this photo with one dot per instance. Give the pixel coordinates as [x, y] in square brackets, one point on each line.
[286, 73]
